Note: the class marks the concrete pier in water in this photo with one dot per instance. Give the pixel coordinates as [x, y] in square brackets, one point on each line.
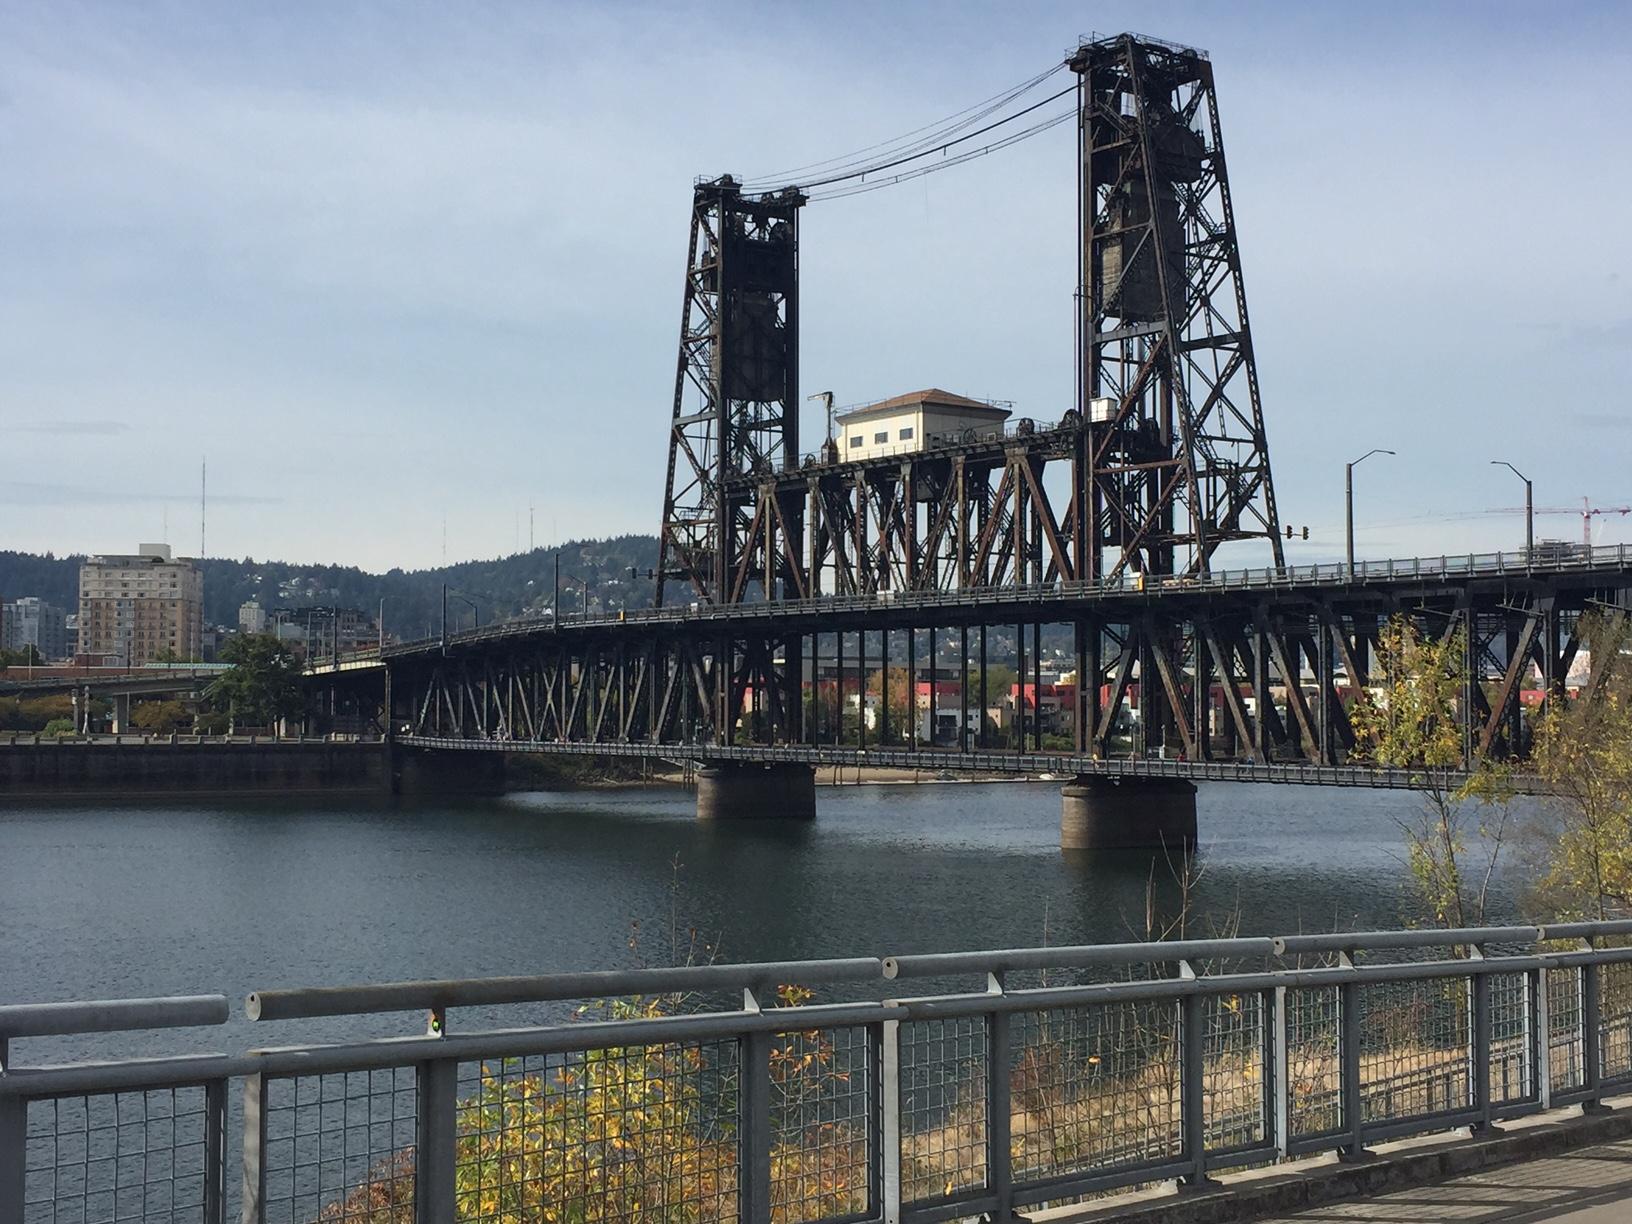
[1128, 814]
[756, 792]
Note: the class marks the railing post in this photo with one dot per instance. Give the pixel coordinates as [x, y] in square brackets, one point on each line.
[215, 1152]
[437, 1089]
[1592, 1056]
[1192, 1083]
[888, 1131]
[13, 1156]
[1279, 1071]
[1541, 1048]
[1479, 989]
[255, 1105]
[999, 1160]
[1349, 1084]
[754, 1124]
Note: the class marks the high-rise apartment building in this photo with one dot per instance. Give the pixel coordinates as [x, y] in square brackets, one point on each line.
[142, 607]
[33, 622]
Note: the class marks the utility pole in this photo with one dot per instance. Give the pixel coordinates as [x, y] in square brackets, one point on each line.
[555, 596]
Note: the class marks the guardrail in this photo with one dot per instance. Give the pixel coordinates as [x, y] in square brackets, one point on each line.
[1576, 559]
[31, 738]
[1171, 1061]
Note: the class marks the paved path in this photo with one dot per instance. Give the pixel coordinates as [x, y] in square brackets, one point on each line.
[1591, 1186]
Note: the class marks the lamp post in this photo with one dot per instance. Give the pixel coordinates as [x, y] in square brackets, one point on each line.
[380, 624]
[1529, 506]
[1348, 499]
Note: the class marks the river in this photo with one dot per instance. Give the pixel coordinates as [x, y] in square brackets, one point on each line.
[104, 900]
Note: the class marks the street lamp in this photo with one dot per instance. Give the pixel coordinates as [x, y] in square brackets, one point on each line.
[1348, 498]
[467, 599]
[1529, 505]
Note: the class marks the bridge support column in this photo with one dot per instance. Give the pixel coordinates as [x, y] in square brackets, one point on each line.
[756, 792]
[120, 703]
[1131, 814]
[411, 771]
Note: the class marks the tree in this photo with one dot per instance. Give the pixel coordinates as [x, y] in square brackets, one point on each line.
[1409, 721]
[264, 683]
[159, 717]
[902, 700]
[28, 656]
[1582, 837]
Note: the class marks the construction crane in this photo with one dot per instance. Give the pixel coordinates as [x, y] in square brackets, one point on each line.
[1587, 511]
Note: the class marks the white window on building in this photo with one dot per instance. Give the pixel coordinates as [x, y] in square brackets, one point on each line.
[879, 438]
[906, 434]
[856, 441]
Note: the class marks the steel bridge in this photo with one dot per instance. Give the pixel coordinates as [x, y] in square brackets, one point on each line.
[795, 588]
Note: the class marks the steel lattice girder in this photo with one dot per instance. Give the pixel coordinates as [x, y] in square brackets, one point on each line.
[1179, 457]
[1255, 677]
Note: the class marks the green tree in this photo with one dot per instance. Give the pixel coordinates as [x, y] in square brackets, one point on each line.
[1581, 839]
[159, 717]
[27, 656]
[1407, 719]
[264, 683]
[901, 701]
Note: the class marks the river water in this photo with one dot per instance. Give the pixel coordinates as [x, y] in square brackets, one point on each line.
[101, 901]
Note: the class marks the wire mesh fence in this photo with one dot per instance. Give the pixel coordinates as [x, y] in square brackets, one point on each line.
[116, 1157]
[1314, 1061]
[943, 1107]
[1095, 1087]
[340, 1148]
[603, 1135]
[923, 1108]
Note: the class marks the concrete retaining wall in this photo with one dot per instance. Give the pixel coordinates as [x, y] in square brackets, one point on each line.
[50, 770]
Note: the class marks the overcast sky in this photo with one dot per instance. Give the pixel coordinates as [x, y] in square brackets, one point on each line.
[386, 264]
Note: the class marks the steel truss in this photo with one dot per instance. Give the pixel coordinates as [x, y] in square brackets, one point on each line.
[1168, 386]
[736, 394]
[1251, 676]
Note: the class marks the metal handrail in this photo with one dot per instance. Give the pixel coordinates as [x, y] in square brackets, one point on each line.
[1231, 1014]
[111, 1015]
[554, 987]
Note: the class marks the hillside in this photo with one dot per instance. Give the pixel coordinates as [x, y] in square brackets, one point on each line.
[503, 587]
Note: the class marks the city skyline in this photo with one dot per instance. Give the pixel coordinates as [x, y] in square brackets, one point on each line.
[385, 270]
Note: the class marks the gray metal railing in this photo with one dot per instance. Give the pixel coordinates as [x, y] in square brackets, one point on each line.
[1004, 1090]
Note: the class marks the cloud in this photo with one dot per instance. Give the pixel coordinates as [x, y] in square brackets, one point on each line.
[75, 429]
[1601, 420]
[24, 493]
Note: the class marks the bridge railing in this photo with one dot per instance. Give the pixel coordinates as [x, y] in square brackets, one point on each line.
[1027, 1076]
[1553, 560]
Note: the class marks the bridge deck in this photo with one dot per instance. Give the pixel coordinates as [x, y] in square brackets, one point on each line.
[1062, 766]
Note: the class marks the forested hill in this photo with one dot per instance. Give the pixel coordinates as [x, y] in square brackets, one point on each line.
[503, 587]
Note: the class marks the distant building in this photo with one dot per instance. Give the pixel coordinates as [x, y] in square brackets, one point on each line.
[33, 622]
[70, 633]
[916, 421]
[251, 617]
[320, 631]
[141, 607]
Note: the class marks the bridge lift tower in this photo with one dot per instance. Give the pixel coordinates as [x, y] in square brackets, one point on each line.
[739, 354]
[1179, 463]
[1165, 441]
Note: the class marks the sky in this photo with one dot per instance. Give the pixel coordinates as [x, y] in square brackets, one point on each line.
[400, 272]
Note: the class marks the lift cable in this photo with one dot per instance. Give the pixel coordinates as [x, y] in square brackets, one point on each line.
[930, 135]
[860, 188]
[865, 171]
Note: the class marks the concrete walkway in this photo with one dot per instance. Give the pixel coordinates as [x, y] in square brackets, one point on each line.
[1590, 1186]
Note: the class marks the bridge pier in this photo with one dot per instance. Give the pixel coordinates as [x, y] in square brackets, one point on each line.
[756, 792]
[1128, 814]
[120, 710]
[414, 772]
